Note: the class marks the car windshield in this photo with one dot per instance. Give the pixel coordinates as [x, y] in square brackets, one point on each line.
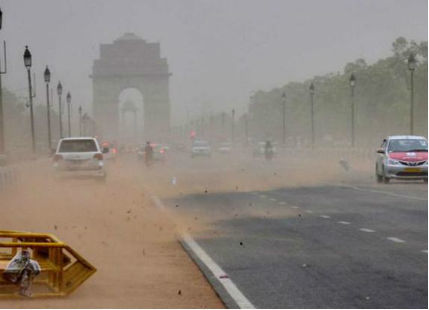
[408, 145]
[75, 146]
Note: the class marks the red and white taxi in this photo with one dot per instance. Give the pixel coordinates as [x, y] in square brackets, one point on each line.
[402, 157]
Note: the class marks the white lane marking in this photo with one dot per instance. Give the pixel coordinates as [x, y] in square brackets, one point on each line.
[394, 239]
[325, 216]
[227, 283]
[295, 207]
[273, 199]
[215, 269]
[381, 192]
[282, 203]
[308, 211]
[425, 251]
[343, 222]
[367, 230]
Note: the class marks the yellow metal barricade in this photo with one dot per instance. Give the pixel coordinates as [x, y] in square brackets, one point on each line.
[62, 268]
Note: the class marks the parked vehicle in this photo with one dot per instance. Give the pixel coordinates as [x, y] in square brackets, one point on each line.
[79, 156]
[402, 157]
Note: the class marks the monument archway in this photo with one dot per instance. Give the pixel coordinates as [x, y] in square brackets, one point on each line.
[131, 116]
[131, 62]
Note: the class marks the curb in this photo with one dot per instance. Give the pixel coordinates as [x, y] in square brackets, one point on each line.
[226, 290]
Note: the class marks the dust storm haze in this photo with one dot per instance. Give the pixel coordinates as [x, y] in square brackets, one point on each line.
[250, 129]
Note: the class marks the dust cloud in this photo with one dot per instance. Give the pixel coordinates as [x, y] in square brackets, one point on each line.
[115, 227]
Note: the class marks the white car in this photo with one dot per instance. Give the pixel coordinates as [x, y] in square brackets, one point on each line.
[80, 156]
[201, 148]
[402, 157]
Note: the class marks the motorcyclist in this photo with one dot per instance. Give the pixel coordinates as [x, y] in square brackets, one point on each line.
[269, 152]
[148, 153]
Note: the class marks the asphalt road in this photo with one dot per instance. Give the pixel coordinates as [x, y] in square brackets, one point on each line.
[334, 246]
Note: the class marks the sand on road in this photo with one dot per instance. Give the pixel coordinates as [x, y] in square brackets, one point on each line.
[115, 227]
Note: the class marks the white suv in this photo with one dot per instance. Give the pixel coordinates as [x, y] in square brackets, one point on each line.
[80, 156]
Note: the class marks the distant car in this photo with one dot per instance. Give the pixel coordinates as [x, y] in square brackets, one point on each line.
[259, 149]
[80, 156]
[110, 151]
[224, 148]
[402, 157]
[201, 148]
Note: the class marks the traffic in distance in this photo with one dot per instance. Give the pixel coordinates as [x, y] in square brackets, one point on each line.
[214, 154]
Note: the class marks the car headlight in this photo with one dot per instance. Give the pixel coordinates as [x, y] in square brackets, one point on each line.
[393, 162]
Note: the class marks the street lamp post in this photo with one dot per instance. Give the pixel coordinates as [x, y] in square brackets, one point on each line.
[84, 124]
[47, 76]
[284, 118]
[412, 67]
[80, 120]
[246, 129]
[27, 63]
[60, 112]
[311, 89]
[68, 99]
[352, 82]
[2, 139]
[223, 124]
[232, 125]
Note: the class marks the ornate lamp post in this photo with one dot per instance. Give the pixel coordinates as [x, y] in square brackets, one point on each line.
[68, 99]
[223, 124]
[27, 63]
[80, 120]
[311, 89]
[232, 125]
[2, 147]
[246, 128]
[60, 111]
[352, 82]
[412, 67]
[284, 118]
[47, 77]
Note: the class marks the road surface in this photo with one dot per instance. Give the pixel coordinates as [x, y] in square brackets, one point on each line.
[353, 244]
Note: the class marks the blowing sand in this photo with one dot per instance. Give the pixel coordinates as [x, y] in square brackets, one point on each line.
[116, 228]
[131, 242]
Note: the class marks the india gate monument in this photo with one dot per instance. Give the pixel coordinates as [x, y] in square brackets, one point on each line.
[131, 62]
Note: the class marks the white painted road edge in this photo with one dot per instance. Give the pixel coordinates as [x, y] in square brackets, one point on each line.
[217, 271]
[238, 297]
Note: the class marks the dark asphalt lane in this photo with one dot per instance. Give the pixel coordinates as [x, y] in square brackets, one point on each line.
[291, 258]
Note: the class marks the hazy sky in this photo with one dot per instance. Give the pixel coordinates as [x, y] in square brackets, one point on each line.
[218, 51]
